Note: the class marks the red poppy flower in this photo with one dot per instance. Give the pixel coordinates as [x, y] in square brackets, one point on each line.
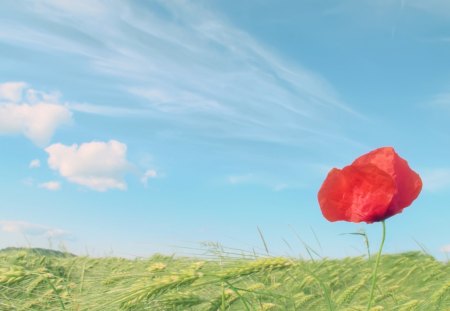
[374, 187]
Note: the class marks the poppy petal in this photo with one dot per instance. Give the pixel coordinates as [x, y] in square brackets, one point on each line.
[356, 193]
[407, 182]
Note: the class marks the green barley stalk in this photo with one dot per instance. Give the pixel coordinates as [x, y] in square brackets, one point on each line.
[270, 264]
[440, 295]
[375, 270]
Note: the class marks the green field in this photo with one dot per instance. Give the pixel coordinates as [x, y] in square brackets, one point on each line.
[49, 280]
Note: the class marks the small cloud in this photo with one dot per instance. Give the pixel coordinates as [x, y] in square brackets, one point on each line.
[445, 248]
[148, 175]
[51, 185]
[23, 227]
[35, 164]
[96, 165]
[36, 116]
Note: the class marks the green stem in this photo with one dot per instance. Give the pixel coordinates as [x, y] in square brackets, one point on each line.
[375, 270]
[56, 293]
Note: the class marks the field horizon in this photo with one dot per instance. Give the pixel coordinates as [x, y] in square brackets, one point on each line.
[43, 279]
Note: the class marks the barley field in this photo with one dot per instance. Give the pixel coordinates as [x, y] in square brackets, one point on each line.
[36, 279]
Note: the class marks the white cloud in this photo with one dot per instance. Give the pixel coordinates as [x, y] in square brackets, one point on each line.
[445, 248]
[436, 179]
[97, 165]
[36, 116]
[11, 91]
[23, 227]
[148, 175]
[51, 185]
[36, 122]
[35, 163]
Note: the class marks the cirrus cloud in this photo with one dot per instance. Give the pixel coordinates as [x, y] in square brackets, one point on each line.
[97, 165]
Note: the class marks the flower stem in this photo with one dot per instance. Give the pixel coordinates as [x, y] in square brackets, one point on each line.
[374, 274]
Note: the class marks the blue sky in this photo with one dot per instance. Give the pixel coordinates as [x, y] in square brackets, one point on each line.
[134, 127]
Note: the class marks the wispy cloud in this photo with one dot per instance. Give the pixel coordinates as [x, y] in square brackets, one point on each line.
[107, 111]
[23, 227]
[187, 65]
